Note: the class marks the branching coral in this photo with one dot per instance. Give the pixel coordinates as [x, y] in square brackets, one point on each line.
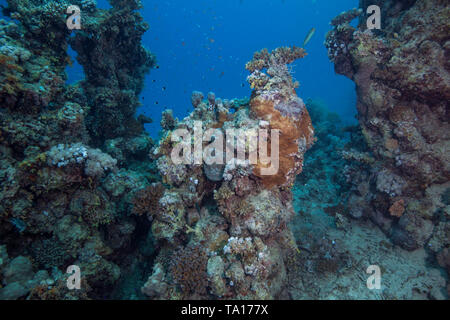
[283, 55]
[188, 269]
[146, 201]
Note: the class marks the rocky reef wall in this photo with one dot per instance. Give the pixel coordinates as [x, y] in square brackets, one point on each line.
[402, 78]
[72, 156]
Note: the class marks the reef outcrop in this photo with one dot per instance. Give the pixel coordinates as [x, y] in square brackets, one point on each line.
[402, 76]
[222, 227]
[72, 156]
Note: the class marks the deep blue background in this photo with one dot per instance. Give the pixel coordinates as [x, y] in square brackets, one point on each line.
[204, 45]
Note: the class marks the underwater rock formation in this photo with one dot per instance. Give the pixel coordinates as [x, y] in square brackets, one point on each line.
[402, 76]
[209, 212]
[334, 249]
[67, 185]
[227, 222]
[110, 50]
[274, 100]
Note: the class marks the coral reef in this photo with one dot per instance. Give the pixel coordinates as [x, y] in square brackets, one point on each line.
[72, 156]
[266, 197]
[336, 241]
[110, 50]
[224, 225]
[402, 78]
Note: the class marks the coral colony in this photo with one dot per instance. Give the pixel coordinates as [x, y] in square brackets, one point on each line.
[267, 197]
[238, 143]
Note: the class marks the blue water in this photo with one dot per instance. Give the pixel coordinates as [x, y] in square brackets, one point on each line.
[204, 45]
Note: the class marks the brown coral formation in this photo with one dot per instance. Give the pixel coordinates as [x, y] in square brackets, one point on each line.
[397, 209]
[402, 77]
[292, 131]
[237, 216]
[274, 100]
[188, 269]
[146, 200]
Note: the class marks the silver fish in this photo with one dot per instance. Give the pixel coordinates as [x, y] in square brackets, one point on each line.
[309, 36]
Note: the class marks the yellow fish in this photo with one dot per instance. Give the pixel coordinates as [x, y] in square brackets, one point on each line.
[309, 36]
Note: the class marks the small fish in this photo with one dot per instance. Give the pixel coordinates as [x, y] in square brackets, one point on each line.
[308, 37]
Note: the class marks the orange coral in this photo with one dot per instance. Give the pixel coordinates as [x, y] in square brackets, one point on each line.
[60, 292]
[291, 130]
[398, 208]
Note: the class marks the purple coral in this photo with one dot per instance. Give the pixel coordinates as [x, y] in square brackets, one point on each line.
[292, 108]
